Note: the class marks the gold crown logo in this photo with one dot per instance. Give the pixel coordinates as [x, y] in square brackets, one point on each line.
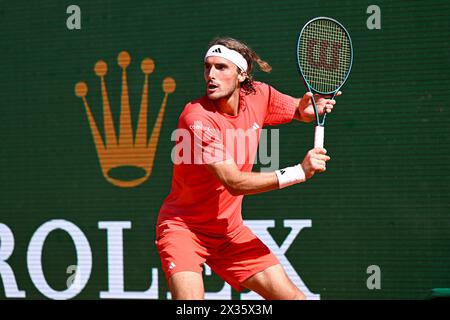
[125, 152]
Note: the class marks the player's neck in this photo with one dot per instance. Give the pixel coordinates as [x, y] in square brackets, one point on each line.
[230, 104]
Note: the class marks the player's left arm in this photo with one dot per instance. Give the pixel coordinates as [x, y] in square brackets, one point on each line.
[305, 110]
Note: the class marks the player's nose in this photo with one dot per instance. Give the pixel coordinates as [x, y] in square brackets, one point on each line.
[210, 73]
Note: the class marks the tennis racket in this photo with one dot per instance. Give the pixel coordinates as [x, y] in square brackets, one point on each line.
[324, 60]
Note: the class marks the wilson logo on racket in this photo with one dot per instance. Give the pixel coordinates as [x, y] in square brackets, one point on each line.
[127, 160]
[322, 61]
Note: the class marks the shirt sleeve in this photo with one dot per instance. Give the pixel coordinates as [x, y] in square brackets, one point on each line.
[281, 108]
[206, 145]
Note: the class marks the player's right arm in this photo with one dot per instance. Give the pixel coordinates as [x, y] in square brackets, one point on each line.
[243, 183]
[208, 150]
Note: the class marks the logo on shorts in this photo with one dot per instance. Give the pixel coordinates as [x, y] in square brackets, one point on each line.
[172, 265]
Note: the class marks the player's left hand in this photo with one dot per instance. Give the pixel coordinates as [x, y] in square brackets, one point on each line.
[323, 103]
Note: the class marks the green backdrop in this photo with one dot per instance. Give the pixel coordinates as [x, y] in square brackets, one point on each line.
[383, 201]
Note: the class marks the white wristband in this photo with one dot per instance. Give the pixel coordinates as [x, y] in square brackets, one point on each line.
[290, 175]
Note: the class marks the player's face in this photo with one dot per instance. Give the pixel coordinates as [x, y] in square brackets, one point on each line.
[221, 77]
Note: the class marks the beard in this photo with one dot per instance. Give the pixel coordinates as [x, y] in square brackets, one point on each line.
[219, 92]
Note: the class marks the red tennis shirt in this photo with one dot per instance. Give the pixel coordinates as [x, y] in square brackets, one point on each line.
[197, 200]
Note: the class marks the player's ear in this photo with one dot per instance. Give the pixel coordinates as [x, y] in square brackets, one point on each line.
[242, 75]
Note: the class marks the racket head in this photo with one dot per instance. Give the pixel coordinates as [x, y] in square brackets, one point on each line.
[324, 55]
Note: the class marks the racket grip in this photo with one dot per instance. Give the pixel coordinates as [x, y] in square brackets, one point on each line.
[319, 134]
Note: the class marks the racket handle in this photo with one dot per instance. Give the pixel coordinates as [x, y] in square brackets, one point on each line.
[319, 134]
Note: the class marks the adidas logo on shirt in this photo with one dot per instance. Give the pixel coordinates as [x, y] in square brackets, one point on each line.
[255, 126]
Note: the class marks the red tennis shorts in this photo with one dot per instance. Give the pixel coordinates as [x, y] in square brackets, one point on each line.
[234, 258]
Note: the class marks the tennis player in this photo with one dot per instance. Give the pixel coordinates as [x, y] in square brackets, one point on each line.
[200, 221]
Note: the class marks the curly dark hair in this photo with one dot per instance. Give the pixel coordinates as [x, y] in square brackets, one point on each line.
[249, 55]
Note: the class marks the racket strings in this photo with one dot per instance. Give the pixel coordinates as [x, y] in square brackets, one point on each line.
[324, 55]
